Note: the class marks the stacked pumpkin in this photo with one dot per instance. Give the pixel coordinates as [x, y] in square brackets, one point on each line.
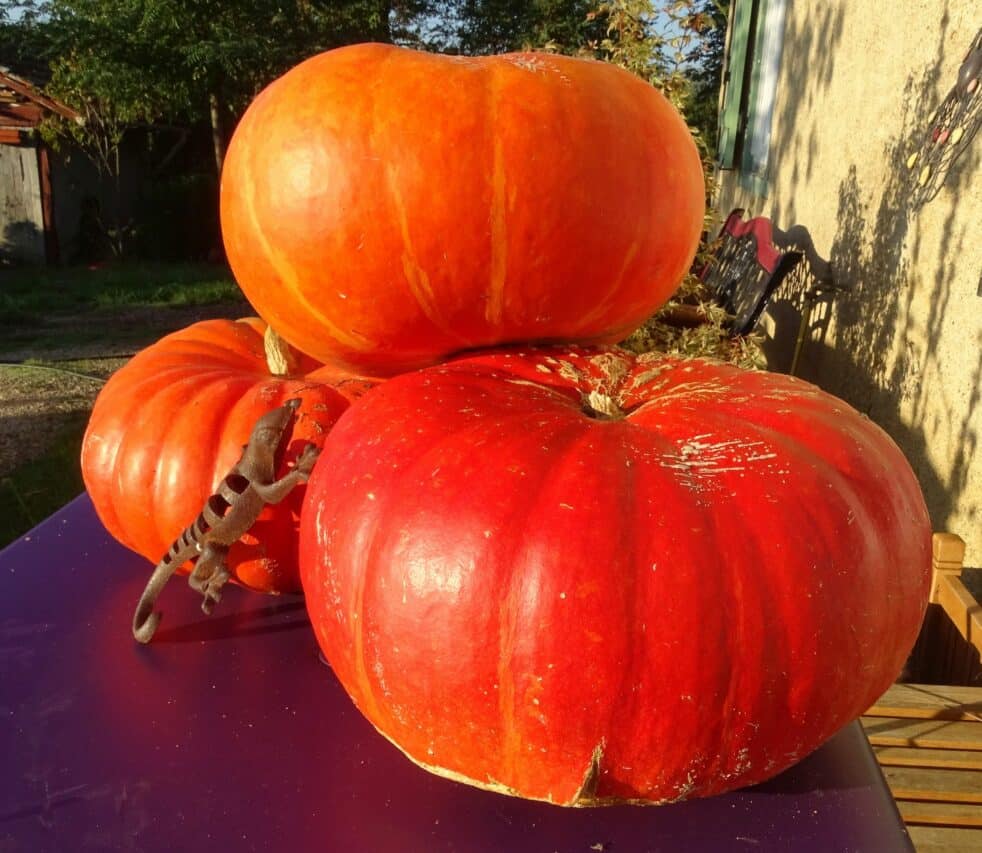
[537, 563]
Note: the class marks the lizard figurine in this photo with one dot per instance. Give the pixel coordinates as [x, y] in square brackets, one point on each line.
[227, 516]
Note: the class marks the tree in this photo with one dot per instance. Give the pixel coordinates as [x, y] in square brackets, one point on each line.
[677, 46]
[704, 62]
[23, 46]
[133, 61]
[498, 26]
[165, 67]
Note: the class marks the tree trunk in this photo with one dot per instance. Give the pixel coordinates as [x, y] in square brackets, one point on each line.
[217, 136]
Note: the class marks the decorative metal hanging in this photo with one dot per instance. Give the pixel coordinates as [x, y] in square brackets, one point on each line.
[951, 129]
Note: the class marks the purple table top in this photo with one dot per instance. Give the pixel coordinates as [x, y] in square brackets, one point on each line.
[229, 733]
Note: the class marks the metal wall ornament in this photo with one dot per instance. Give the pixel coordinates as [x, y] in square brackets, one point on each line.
[951, 129]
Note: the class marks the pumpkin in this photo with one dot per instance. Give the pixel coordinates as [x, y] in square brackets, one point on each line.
[383, 207]
[170, 423]
[593, 577]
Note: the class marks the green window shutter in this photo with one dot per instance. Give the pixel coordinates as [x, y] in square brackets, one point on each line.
[733, 82]
[761, 94]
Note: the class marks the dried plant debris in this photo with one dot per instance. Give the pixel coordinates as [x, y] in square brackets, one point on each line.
[692, 325]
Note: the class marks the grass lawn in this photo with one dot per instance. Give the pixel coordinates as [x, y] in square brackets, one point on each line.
[31, 292]
[52, 308]
[34, 490]
[48, 315]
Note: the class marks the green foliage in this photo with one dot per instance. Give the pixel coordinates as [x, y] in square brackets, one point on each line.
[126, 63]
[660, 42]
[677, 46]
[45, 308]
[481, 27]
[638, 40]
[23, 45]
[96, 71]
[132, 63]
[174, 64]
[163, 59]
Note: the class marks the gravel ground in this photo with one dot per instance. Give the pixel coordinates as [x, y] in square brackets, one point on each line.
[37, 404]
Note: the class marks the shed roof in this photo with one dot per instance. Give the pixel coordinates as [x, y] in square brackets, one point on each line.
[23, 105]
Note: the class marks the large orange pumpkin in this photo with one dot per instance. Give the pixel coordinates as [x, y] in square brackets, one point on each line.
[591, 577]
[170, 423]
[383, 207]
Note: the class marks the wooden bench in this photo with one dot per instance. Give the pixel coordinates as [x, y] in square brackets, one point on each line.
[950, 593]
[949, 649]
[928, 741]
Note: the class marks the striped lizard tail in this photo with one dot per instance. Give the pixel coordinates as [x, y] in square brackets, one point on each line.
[186, 546]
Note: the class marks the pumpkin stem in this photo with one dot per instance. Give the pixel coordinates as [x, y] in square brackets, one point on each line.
[602, 407]
[281, 358]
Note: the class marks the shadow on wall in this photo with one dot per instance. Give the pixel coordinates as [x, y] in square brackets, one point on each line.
[885, 361]
[22, 242]
[799, 314]
[811, 44]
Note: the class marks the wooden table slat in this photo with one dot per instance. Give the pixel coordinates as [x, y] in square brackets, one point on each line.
[929, 701]
[966, 815]
[927, 734]
[945, 839]
[911, 756]
[934, 785]
[928, 741]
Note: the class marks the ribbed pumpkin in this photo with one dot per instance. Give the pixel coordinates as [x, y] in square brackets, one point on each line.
[382, 207]
[170, 423]
[589, 577]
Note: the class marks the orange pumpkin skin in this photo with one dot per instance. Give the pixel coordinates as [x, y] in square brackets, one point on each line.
[169, 425]
[383, 207]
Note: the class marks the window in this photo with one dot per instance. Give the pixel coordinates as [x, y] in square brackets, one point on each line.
[753, 61]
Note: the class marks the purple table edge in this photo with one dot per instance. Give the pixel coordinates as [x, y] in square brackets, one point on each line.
[229, 733]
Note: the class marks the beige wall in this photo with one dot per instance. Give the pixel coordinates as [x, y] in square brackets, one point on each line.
[859, 81]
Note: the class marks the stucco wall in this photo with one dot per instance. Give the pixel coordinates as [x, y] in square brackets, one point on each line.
[21, 222]
[858, 83]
